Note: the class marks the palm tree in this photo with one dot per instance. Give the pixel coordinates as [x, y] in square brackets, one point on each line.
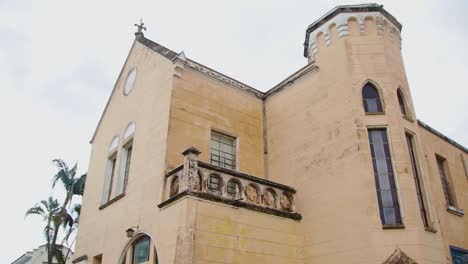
[76, 212]
[49, 211]
[73, 186]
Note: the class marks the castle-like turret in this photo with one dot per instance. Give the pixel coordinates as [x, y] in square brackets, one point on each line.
[350, 20]
[346, 136]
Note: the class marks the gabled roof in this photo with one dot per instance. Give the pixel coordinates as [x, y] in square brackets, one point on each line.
[311, 67]
[160, 49]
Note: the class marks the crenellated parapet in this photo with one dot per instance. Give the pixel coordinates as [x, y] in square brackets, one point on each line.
[367, 19]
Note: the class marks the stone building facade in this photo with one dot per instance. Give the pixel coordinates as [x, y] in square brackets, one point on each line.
[331, 165]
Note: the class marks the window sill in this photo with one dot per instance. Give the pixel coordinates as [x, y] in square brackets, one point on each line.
[375, 113]
[455, 211]
[111, 201]
[397, 226]
[430, 229]
[408, 118]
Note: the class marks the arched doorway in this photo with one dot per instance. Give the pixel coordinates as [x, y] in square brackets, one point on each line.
[140, 249]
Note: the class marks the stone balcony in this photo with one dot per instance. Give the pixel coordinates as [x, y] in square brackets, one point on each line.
[209, 182]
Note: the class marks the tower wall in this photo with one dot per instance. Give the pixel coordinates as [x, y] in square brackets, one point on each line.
[318, 143]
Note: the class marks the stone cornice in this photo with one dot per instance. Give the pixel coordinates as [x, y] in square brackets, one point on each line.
[235, 203]
[291, 79]
[442, 136]
[223, 78]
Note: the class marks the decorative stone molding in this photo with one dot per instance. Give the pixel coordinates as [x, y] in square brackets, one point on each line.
[179, 63]
[193, 179]
[399, 257]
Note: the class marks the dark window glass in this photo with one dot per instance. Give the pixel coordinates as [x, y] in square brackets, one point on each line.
[459, 255]
[441, 163]
[417, 180]
[214, 184]
[127, 166]
[233, 189]
[384, 177]
[113, 161]
[223, 151]
[371, 99]
[141, 250]
[401, 102]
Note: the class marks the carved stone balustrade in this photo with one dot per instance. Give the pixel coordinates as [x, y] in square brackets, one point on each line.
[209, 182]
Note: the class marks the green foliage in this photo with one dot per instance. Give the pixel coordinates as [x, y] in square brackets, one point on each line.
[56, 215]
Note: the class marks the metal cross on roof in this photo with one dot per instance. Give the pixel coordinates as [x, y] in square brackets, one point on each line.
[140, 26]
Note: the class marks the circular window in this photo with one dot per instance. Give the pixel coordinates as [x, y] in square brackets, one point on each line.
[129, 81]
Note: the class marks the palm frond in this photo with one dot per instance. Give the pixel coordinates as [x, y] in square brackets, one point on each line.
[78, 187]
[35, 210]
[73, 170]
[67, 220]
[59, 163]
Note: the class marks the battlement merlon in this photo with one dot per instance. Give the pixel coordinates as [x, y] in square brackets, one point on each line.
[340, 16]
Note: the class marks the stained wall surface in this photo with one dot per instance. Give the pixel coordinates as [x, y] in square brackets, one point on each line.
[199, 105]
[317, 142]
[147, 105]
[453, 227]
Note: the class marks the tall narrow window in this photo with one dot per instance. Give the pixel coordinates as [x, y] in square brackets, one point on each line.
[110, 171]
[125, 167]
[442, 165]
[126, 158]
[384, 177]
[223, 150]
[371, 99]
[141, 250]
[128, 149]
[417, 179]
[401, 102]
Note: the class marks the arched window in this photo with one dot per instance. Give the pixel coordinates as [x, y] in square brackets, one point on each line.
[401, 102]
[110, 171]
[371, 99]
[126, 157]
[214, 184]
[174, 186]
[140, 249]
[233, 189]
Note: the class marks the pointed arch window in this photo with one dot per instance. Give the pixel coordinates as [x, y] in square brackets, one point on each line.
[402, 102]
[371, 99]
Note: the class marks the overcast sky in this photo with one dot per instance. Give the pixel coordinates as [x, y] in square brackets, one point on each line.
[59, 61]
